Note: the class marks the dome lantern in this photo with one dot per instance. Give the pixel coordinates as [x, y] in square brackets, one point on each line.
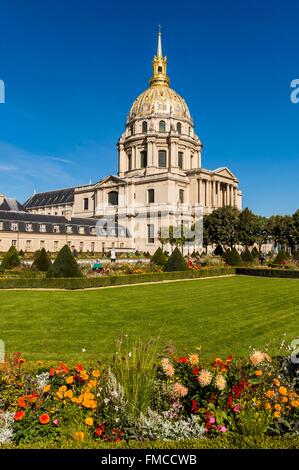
[159, 66]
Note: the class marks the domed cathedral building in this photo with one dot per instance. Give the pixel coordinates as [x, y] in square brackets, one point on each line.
[159, 170]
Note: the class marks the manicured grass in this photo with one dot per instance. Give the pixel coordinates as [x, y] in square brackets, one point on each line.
[224, 316]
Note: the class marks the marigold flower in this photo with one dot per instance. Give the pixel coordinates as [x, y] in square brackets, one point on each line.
[46, 388]
[89, 421]
[19, 415]
[183, 360]
[267, 406]
[257, 357]
[84, 375]
[180, 389]
[282, 391]
[283, 399]
[270, 393]
[276, 382]
[258, 373]
[44, 418]
[78, 436]
[295, 403]
[220, 382]
[62, 389]
[277, 407]
[204, 378]
[276, 414]
[70, 380]
[22, 403]
[96, 373]
[68, 394]
[92, 383]
[193, 359]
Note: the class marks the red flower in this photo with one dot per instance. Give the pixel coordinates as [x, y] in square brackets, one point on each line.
[195, 371]
[64, 368]
[52, 372]
[79, 367]
[230, 401]
[44, 419]
[100, 430]
[21, 403]
[194, 406]
[19, 415]
[183, 360]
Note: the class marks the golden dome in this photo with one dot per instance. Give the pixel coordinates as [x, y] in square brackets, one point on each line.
[160, 99]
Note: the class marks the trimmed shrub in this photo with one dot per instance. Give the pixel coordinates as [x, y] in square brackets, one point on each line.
[266, 272]
[281, 257]
[159, 258]
[233, 258]
[41, 261]
[176, 262]
[247, 256]
[255, 252]
[226, 254]
[11, 259]
[21, 253]
[65, 265]
[296, 255]
[218, 250]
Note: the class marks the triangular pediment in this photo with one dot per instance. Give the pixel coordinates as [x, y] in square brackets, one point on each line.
[224, 171]
[110, 180]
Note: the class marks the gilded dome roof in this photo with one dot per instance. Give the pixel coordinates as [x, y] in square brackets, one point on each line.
[159, 99]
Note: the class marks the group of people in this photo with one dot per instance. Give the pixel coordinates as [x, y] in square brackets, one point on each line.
[195, 263]
[98, 265]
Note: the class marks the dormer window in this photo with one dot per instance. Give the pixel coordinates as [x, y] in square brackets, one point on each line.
[69, 229]
[42, 228]
[29, 228]
[14, 226]
[81, 230]
[56, 229]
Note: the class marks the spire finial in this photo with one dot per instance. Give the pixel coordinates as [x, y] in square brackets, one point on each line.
[159, 49]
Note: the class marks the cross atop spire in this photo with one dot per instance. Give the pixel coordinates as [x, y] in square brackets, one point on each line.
[159, 77]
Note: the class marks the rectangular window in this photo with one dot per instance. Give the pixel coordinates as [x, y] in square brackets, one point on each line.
[93, 230]
[162, 158]
[42, 244]
[14, 242]
[69, 243]
[42, 228]
[122, 245]
[85, 203]
[150, 233]
[143, 159]
[180, 160]
[14, 226]
[151, 196]
[129, 162]
[28, 244]
[92, 247]
[103, 247]
[181, 196]
[69, 229]
[81, 230]
[81, 246]
[56, 245]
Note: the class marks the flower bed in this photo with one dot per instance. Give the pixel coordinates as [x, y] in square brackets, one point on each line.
[137, 398]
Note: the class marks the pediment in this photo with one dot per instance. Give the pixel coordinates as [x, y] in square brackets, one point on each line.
[224, 172]
[110, 180]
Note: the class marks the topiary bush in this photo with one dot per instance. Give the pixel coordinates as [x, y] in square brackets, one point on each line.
[281, 257]
[11, 259]
[296, 255]
[41, 261]
[247, 256]
[159, 257]
[255, 252]
[233, 258]
[65, 265]
[226, 254]
[218, 250]
[176, 262]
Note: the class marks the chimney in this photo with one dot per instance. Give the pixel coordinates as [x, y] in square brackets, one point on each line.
[67, 213]
[1, 198]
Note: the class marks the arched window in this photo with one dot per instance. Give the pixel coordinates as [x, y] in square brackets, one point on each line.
[162, 126]
[143, 159]
[160, 70]
[113, 198]
[129, 162]
[180, 160]
[162, 158]
[144, 127]
[179, 128]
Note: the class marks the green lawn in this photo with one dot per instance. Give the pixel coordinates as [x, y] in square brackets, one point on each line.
[224, 316]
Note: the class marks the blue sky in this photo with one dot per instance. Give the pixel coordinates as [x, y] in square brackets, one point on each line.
[73, 68]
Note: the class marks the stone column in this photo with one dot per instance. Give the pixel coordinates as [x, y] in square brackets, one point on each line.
[199, 198]
[231, 195]
[150, 153]
[121, 159]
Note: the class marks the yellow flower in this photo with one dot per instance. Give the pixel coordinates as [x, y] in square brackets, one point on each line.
[68, 394]
[277, 407]
[70, 380]
[80, 399]
[282, 391]
[267, 406]
[89, 421]
[62, 389]
[46, 388]
[92, 383]
[39, 363]
[295, 403]
[276, 382]
[59, 395]
[270, 394]
[92, 404]
[96, 373]
[84, 375]
[74, 400]
[258, 373]
[78, 436]
[283, 399]
[193, 359]
[276, 414]
[269, 374]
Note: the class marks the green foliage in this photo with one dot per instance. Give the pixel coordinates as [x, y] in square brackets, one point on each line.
[21, 253]
[65, 265]
[221, 226]
[281, 257]
[255, 252]
[247, 256]
[41, 261]
[233, 258]
[158, 257]
[176, 262]
[296, 255]
[11, 259]
[265, 272]
[253, 423]
[218, 250]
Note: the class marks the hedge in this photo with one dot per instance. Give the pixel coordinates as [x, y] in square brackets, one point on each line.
[264, 272]
[104, 281]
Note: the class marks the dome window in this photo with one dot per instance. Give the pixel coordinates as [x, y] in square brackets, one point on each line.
[144, 127]
[160, 70]
[179, 128]
[180, 160]
[162, 158]
[162, 126]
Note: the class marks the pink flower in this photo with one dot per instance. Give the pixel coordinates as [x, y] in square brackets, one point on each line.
[223, 429]
[56, 422]
[212, 420]
[236, 408]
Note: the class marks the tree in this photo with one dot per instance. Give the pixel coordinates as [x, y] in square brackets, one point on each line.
[247, 227]
[41, 261]
[159, 257]
[247, 256]
[233, 258]
[163, 236]
[176, 262]
[218, 250]
[64, 265]
[281, 257]
[221, 226]
[11, 259]
[255, 253]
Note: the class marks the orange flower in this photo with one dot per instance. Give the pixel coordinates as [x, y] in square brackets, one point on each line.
[267, 406]
[19, 415]
[277, 407]
[22, 403]
[258, 373]
[295, 403]
[44, 418]
[283, 399]
[276, 382]
[70, 380]
[46, 388]
[96, 373]
[282, 391]
[270, 394]
[89, 421]
[78, 436]
[276, 414]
